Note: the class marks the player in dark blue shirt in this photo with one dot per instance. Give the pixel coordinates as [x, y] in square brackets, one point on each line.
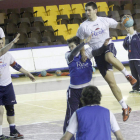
[132, 44]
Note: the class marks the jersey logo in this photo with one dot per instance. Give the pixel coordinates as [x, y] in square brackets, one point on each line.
[81, 65]
[2, 66]
[98, 31]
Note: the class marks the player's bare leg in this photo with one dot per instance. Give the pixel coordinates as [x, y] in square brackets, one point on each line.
[109, 57]
[110, 79]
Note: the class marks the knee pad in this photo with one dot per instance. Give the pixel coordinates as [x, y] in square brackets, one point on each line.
[10, 110]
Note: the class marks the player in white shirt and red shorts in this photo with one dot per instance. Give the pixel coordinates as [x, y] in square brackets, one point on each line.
[7, 95]
[99, 26]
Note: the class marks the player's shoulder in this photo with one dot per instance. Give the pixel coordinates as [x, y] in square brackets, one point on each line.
[84, 23]
[67, 53]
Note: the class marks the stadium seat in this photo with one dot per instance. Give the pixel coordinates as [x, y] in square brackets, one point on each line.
[122, 3]
[121, 32]
[31, 42]
[121, 37]
[113, 38]
[39, 11]
[52, 10]
[101, 14]
[102, 7]
[75, 19]
[72, 28]
[61, 39]
[136, 2]
[13, 16]
[65, 10]
[14, 10]
[56, 43]
[34, 32]
[10, 26]
[64, 19]
[46, 39]
[48, 31]
[124, 12]
[113, 33]
[61, 30]
[77, 9]
[26, 12]
[50, 20]
[23, 23]
[37, 22]
[115, 15]
[23, 36]
[116, 5]
[136, 13]
[2, 17]
[84, 16]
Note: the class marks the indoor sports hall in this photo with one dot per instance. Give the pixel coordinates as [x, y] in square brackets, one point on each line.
[44, 28]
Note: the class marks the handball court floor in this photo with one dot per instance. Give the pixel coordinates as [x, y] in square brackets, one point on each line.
[41, 106]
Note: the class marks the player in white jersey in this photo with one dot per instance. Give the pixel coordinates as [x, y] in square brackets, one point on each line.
[7, 95]
[99, 26]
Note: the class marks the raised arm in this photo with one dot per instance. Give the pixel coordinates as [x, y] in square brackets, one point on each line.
[78, 48]
[120, 26]
[9, 46]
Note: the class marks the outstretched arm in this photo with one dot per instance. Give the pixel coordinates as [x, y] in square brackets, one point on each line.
[120, 26]
[78, 48]
[9, 46]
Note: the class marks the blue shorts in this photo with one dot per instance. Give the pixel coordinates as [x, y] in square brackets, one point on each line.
[7, 95]
[102, 65]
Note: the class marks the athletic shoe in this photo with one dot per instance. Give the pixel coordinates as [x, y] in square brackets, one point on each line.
[16, 135]
[131, 79]
[126, 113]
[2, 137]
[138, 91]
[133, 91]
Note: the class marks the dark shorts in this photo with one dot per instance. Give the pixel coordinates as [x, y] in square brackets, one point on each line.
[102, 65]
[7, 95]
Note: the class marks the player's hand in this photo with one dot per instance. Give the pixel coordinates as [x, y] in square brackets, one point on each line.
[84, 57]
[30, 76]
[107, 41]
[88, 39]
[16, 38]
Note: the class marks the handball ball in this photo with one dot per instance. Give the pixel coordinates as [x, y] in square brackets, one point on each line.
[43, 73]
[58, 72]
[127, 21]
[93, 69]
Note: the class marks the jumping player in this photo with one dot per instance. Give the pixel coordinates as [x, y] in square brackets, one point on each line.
[7, 95]
[99, 26]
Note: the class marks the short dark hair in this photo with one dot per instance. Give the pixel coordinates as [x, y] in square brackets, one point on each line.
[74, 39]
[91, 95]
[93, 4]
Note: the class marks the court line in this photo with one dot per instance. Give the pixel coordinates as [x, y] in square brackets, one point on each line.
[44, 107]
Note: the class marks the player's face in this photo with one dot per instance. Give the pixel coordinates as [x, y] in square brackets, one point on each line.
[90, 12]
[1, 43]
[72, 46]
[129, 30]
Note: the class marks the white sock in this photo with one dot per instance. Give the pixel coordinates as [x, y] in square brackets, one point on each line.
[123, 104]
[0, 130]
[125, 72]
[12, 124]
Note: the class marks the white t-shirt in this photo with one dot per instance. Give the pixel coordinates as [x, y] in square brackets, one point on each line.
[2, 35]
[99, 28]
[5, 76]
[73, 124]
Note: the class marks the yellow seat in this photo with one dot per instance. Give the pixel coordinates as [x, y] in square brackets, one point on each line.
[40, 11]
[69, 36]
[52, 10]
[113, 38]
[62, 30]
[121, 37]
[102, 6]
[65, 10]
[77, 9]
[84, 4]
[72, 28]
[50, 20]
